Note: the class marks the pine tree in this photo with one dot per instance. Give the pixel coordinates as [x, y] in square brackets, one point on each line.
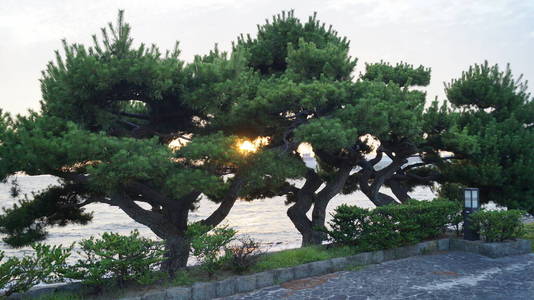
[492, 136]
[309, 95]
[108, 116]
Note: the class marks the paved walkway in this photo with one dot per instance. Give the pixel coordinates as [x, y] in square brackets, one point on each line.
[453, 275]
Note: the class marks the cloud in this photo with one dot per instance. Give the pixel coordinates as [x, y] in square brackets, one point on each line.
[445, 12]
[43, 20]
[446, 35]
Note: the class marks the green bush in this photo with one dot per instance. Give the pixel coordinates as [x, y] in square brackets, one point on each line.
[244, 254]
[420, 220]
[47, 264]
[498, 225]
[116, 259]
[209, 245]
[391, 225]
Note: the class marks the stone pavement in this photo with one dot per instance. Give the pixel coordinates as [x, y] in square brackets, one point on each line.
[452, 275]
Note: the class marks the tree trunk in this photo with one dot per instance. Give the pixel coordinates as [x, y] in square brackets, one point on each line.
[312, 237]
[297, 212]
[332, 188]
[176, 254]
[372, 180]
[297, 215]
[399, 190]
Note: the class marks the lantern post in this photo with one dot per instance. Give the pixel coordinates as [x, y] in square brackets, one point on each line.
[471, 205]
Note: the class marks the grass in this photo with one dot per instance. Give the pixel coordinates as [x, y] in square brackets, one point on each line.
[183, 278]
[294, 257]
[529, 233]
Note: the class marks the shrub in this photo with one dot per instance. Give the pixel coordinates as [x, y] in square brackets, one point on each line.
[420, 220]
[244, 255]
[347, 224]
[115, 258]
[208, 245]
[360, 227]
[456, 219]
[498, 225]
[45, 265]
[391, 225]
[182, 278]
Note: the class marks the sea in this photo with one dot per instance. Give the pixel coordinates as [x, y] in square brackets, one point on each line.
[264, 220]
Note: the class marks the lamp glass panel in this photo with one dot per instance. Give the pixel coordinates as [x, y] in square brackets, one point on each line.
[475, 203]
[467, 195]
[475, 195]
[467, 203]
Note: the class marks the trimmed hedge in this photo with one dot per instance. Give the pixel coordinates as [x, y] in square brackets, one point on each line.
[498, 225]
[391, 225]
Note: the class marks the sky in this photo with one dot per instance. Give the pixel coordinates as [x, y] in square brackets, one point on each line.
[447, 36]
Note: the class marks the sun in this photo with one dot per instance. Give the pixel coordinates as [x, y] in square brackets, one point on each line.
[247, 146]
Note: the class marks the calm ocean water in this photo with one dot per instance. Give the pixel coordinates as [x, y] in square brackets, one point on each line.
[264, 220]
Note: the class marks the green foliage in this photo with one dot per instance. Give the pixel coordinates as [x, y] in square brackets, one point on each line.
[182, 278]
[208, 245]
[84, 84]
[26, 221]
[115, 258]
[498, 225]
[308, 62]
[402, 74]
[327, 134]
[485, 86]
[269, 50]
[492, 136]
[391, 225]
[46, 264]
[452, 191]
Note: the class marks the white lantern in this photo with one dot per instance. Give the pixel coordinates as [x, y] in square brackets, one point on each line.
[471, 198]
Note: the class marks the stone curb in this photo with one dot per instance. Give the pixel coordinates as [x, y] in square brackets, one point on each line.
[493, 250]
[247, 283]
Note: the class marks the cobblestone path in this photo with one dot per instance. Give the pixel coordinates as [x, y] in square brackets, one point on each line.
[453, 275]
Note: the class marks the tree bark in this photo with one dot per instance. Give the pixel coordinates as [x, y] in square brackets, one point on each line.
[332, 188]
[377, 179]
[399, 190]
[177, 248]
[297, 212]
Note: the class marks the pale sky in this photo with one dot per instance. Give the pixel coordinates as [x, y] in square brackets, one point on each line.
[447, 35]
